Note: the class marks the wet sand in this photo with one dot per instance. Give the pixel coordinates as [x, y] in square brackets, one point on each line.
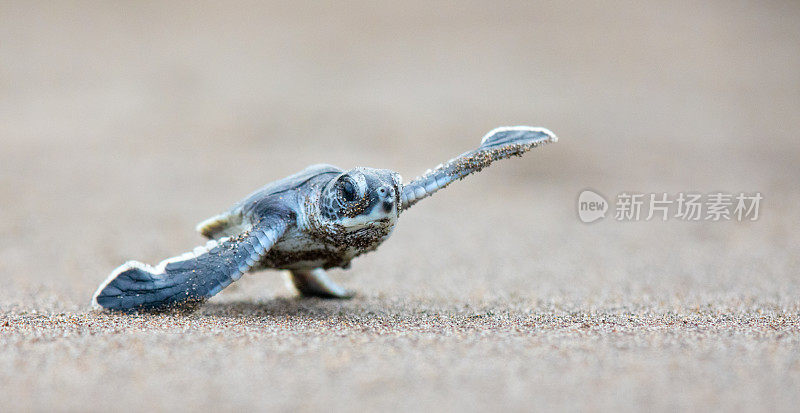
[124, 125]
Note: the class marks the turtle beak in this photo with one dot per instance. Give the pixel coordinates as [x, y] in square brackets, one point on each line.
[387, 196]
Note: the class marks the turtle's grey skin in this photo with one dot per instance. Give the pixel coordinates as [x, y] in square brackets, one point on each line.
[319, 218]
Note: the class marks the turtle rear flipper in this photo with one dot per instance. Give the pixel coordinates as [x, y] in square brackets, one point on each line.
[499, 143]
[316, 283]
[227, 224]
[191, 277]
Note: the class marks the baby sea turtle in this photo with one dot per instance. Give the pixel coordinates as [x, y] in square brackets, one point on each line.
[319, 218]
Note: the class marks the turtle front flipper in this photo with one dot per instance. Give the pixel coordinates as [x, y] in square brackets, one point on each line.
[191, 277]
[499, 143]
[315, 283]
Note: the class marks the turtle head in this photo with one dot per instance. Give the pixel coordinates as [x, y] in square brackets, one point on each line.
[362, 197]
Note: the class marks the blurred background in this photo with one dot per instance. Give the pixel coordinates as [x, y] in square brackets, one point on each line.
[123, 124]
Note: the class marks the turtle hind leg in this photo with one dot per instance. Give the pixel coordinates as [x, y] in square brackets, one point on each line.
[223, 225]
[315, 283]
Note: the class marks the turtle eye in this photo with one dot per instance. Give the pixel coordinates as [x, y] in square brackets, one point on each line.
[348, 191]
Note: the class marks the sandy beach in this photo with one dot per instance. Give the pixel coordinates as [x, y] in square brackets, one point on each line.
[123, 125]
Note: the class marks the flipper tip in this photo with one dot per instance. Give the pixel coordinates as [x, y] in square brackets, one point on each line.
[544, 135]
